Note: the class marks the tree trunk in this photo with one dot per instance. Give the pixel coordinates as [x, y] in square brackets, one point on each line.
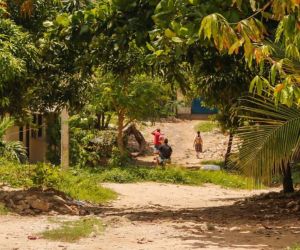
[229, 146]
[121, 118]
[287, 181]
[108, 118]
[98, 123]
[103, 120]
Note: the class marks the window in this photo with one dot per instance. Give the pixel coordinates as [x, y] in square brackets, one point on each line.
[33, 127]
[21, 133]
[40, 126]
[37, 126]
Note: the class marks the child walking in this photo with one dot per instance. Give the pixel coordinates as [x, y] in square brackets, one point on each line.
[198, 144]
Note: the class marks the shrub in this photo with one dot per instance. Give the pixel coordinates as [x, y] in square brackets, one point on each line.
[15, 174]
[118, 175]
[118, 159]
[84, 186]
[81, 185]
[26, 175]
[45, 175]
[91, 147]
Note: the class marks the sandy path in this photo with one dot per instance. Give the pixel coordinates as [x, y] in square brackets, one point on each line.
[157, 216]
[163, 216]
[151, 195]
[181, 135]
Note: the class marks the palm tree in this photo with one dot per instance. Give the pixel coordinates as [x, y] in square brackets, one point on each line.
[269, 141]
[13, 150]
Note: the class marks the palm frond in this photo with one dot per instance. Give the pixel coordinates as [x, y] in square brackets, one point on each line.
[5, 123]
[269, 141]
[14, 151]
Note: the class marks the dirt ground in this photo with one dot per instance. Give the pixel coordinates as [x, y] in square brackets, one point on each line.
[181, 136]
[163, 216]
[155, 216]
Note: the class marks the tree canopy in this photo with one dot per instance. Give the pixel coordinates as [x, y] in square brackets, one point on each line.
[18, 62]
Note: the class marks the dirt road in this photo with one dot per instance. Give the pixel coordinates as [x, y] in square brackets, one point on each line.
[157, 216]
[163, 216]
[181, 134]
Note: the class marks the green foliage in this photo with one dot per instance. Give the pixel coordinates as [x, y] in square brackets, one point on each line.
[194, 66]
[277, 20]
[175, 175]
[220, 80]
[87, 36]
[71, 231]
[44, 175]
[91, 148]
[13, 150]
[294, 247]
[206, 126]
[79, 185]
[139, 97]
[18, 58]
[132, 98]
[25, 175]
[3, 209]
[118, 175]
[269, 139]
[31, 14]
[118, 159]
[83, 185]
[15, 174]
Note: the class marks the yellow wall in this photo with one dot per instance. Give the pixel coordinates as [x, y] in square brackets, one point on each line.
[12, 134]
[37, 146]
[38, 149]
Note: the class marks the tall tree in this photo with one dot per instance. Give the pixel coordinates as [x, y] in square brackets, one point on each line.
[272, 27]
[141, 98]
[216, 77]
[270, 36]
[109, 35]
[18, 62]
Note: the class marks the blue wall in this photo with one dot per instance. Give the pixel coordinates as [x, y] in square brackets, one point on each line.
[198, 109]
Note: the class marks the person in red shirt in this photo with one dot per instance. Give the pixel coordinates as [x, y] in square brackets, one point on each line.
[156, 141]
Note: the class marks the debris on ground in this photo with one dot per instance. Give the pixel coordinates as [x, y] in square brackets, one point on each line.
[35, 201]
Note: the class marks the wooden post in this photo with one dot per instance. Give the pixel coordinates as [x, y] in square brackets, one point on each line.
[64, 139]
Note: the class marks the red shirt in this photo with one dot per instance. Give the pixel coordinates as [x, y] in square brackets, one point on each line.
[156, 138]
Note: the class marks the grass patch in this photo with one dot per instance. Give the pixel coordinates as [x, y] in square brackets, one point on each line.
[175, 175]
[3, 210]
[80, 185]
[294, 247]
[83, 185]
[206, 126]
[71, 231]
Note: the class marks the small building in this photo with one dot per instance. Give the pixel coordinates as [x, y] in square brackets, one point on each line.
[35, 140]
[193, 109]
[32, 136]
